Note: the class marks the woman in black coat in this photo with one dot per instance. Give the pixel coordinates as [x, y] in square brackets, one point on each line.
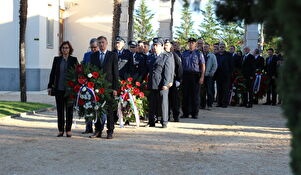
[57, 87]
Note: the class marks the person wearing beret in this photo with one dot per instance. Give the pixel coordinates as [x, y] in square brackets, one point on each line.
[57, 85]
[161, 74]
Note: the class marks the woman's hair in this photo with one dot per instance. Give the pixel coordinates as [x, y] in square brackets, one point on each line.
[69, 45]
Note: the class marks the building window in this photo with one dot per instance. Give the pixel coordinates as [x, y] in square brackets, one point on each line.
[50, 37]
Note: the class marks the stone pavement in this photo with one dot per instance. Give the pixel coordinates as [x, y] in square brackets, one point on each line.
[32, 96]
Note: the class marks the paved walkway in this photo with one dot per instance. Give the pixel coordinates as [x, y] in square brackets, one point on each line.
[231, 141]
[32, 96]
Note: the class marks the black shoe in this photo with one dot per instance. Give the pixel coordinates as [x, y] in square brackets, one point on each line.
[68, 135]
[96, 135]
[273, 104]
[202, 107]
[164, 126]
[87, 132]
[243, 105]
[110, 136]
[184, 116]
[194, 117]
[218, 105]
[127, 123]
[224, 106]
[60, 135]
[151, 125]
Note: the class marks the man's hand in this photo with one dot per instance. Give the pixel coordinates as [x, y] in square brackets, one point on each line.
[169, 85]
[164, 88]
[201, 80]
[114, 93]
[49, 91]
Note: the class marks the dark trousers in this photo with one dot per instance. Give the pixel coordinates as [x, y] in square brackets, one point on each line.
[223, 90]
[191, 93]
[62, 106]
[174, 101]
[272, 90]
[248, 95]
[89, 126]
[158, 106]
[207, 95]
[99, 125]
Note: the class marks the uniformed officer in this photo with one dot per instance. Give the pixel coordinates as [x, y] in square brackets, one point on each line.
[193, 76]
[173, 95]
[139, 67]
[161, 75]
[124, 58]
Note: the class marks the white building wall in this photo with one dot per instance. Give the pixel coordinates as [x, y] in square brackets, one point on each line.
[88, 19]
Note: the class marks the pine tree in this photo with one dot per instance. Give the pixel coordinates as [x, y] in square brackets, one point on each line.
[210, 27]
[232, 33]
[185, 30]
[143, 29]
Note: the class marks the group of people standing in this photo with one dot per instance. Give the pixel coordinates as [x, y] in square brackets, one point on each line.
[195, 71]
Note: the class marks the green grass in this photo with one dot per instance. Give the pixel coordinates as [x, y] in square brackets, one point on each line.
[14, 107]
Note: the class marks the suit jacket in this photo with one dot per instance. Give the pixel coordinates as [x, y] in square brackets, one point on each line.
[125, 62]
[259, 62]
[161, 70]
[139, 65]
[248, 67]
[271, 66]
[178, 67]
[109, 67]
[55, 70]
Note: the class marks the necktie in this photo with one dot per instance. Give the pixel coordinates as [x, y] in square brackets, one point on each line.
[101, 57]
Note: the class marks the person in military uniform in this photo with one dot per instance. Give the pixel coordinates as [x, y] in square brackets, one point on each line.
[193, 76]
[139, 59]
[124, 58]
[173, 95]
[161, 73]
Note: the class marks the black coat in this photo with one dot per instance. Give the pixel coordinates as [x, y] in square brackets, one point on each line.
[225, 68]
[271, 68]
[259, 63]
[109, 67]
[55, 70]
[248, 66]
[139, 65]
[125, 61]
[178, 67]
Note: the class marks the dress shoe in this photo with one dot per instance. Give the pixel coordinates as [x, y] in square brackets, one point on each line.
[164, 126]
[224, 106]
[273, 104]
[96, 135]
[151, 125]
[218, 105]
[87, 132]
[184, 116]
[110, 136]
[60, 134]
[69, 135]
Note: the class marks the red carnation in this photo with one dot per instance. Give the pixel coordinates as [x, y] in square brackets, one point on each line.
[126, 97]
[141, 94]
[130, 79]
[129, 86]
[101, 90]
[123, 88]
[81, 102]
[70, 83]
[90, 85]
[71, 97]
[79, 69]
[136, 91]
[122, 82]
[95, 74]
[97, 98]
[76, 88]
[82, 80]
[138, 84]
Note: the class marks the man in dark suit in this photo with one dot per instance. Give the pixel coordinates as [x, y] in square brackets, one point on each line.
[161, 76]
[124, 58]
[107, 62]
[223, 75]
[271, 69]
[248, 71]
[259, 64]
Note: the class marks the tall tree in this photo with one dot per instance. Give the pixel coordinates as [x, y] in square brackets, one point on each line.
[22, 58]
[283, 19]
[116, 20]
[143, 25]
[210, 27]
[185, 30]
[232, 33]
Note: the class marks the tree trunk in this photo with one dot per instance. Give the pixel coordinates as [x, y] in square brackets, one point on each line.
[116, 20]
[131, 19]
[171, 18]
[22, 59]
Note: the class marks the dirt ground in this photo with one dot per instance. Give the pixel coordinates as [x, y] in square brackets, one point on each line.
[231, 141]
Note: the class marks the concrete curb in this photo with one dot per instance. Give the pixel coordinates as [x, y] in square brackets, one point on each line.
[23, 114]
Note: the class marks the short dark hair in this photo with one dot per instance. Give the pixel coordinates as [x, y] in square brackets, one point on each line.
[271, 49]
[146, 43]
[256, 51]
[102, 37]
[69, 45]
[216, 44]
[233, 46]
